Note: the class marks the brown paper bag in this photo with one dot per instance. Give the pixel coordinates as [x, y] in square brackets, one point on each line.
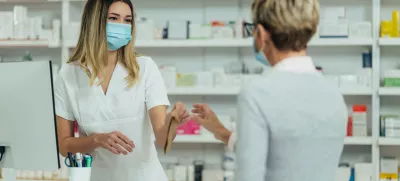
[173, 124]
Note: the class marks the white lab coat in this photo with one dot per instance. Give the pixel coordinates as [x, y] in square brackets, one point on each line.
[121, 109]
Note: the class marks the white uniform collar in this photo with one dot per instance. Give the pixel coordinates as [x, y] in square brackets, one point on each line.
[299, 64]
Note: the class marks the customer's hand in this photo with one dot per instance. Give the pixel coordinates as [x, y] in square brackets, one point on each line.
[181, 112]
[206, 117]
[115, 142]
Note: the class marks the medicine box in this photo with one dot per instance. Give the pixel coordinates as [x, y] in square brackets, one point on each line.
[348, 81]
[186, 80]
[360, 30]
[391, 78]
[334, 29]
[343, 174]
[178, 29]
[145, 29]
[333, 13]
[6, 25]
[363, 171]
[392, 132]
[392, 123]
[389, 165]
[204, 79]
[190, 128]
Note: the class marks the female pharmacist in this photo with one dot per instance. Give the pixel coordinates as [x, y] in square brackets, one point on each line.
[291, 122]
[109, 90]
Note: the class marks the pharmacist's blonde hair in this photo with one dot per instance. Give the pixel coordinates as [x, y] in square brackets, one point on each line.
[92, 50]
[291, 23]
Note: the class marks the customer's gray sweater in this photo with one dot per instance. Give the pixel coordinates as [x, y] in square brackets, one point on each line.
[291, 126]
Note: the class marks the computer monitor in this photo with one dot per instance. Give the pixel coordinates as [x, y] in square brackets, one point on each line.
[27, 116]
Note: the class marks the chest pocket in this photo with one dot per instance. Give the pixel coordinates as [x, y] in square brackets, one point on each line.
[97, 109]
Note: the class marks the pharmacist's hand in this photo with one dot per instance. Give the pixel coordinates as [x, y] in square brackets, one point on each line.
[181, 112]
[206, 117]
[115, 142]
[209, 120]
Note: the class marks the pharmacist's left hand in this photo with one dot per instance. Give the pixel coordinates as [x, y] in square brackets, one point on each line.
[181, 112]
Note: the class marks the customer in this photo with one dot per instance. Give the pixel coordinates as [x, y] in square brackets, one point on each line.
[109, 90]
[291, 123]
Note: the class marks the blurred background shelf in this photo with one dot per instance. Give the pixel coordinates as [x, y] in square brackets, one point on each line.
[384, 141]
[23, 43]
[208, 138]
[236, 91]
[358, 141]
[389, 91]
[389, 41]
[233, 43]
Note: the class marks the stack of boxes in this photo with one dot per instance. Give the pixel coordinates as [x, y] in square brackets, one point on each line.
[335, 24]
[391, 78]
[17, 25]
[390, 126]
[389, 169]
[359, 121]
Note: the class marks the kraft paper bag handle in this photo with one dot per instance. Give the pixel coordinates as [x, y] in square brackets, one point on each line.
[173, 124]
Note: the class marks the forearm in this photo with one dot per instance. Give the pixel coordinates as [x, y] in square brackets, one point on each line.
[75, 145]
[162, 135]
[222, 134]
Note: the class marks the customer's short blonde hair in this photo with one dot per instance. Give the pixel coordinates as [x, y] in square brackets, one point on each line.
[291, 23]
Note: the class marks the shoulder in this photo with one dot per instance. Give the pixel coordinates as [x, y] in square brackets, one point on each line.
[145, 62]
[147, 65]
[67, 72]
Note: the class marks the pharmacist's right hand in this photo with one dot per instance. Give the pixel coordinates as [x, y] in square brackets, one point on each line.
[115, 142]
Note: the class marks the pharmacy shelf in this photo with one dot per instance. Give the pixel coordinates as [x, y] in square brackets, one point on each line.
[236, 90]
[389, 141]
[207, 138]
[184, 43]
[358, 141]
[361, 91]
[389, 91]
[233, 43]
[389, 41]
[29, 1]
[341, 42]
[204, 91]
[23, 43]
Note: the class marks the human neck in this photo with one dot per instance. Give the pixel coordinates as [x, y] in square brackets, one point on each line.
[112, 58]
[279, 56]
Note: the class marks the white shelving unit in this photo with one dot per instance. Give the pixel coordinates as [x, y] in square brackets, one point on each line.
[235, 91]
[24, 43]
[237, 43]
[389, 41]
[389, 91]
[208, 53]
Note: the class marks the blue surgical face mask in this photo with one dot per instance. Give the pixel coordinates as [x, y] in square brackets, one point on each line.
[260, 56]
[118, 35]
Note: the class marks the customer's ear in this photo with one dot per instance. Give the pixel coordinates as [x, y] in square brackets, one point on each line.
[262, 33]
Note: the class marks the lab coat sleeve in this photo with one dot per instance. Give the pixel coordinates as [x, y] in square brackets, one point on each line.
[156, 91]
[232, 141]
[252, 140]
[62, 103]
